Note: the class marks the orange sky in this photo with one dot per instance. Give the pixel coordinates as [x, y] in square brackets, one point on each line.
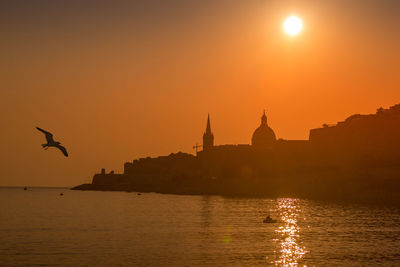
[119, 80]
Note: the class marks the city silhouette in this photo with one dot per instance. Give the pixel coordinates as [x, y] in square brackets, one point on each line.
[341, 161]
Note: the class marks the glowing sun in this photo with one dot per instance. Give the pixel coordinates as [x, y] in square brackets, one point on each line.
[292, 25]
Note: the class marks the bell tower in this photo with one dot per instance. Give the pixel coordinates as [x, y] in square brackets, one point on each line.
[208, 137]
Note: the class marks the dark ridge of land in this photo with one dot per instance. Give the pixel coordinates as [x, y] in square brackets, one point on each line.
[348, 189]
[356, 159]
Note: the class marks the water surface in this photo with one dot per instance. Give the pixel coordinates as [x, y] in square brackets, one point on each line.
[82, 228]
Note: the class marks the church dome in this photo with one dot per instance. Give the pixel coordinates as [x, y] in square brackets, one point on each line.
[263, 136]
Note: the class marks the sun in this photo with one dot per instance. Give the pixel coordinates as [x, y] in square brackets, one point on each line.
[293, 25]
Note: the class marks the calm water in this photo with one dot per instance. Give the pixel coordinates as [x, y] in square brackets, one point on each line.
[40, 227]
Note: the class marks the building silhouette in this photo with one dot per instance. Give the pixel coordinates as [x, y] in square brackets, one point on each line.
[263, 137]
[208, 136]
[355, 158]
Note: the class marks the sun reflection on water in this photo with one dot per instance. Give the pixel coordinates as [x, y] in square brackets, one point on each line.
[291, 250]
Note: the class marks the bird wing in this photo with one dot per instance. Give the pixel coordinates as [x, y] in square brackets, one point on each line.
[49, 136]
[63, 150]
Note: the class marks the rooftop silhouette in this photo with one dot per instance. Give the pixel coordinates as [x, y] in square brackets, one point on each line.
[356, 158]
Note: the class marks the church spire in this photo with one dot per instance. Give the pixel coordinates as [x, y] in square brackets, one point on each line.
[264, 118]
[208, 129]
[208, 137]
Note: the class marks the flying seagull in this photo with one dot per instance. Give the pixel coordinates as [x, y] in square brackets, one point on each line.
[51, 142]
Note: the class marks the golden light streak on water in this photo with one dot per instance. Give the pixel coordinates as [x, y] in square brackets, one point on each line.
[291, 249]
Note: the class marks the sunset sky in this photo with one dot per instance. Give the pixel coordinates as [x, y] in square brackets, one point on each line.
[118, 80]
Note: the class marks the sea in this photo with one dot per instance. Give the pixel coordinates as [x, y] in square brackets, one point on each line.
[41, 227]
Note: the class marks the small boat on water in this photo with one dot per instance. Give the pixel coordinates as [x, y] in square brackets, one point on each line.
[25, 188]
[268, 219]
